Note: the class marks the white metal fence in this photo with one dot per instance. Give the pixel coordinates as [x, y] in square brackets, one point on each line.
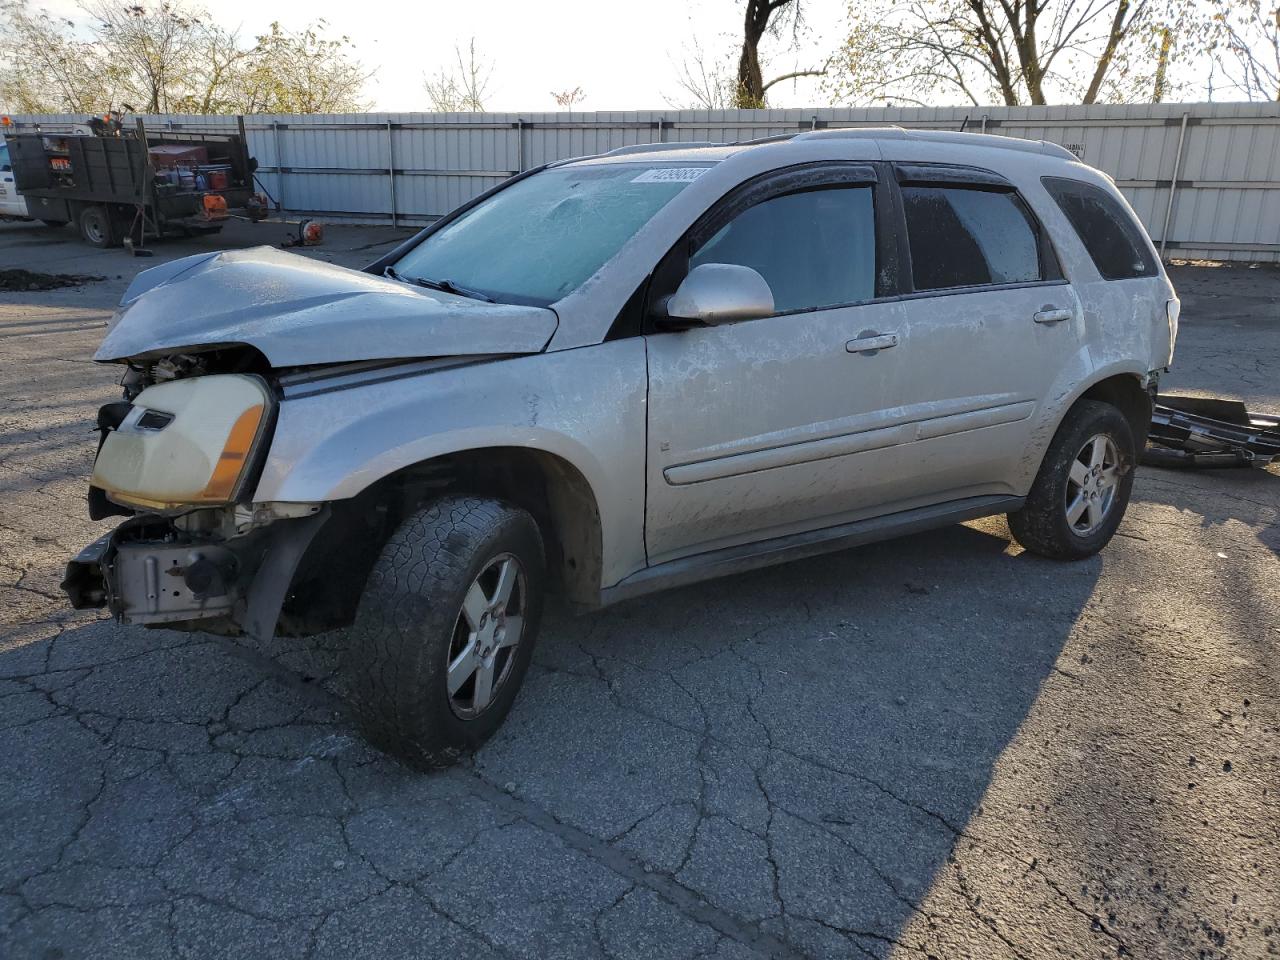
[1204, 178]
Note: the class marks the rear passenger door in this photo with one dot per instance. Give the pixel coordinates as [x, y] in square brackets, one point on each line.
[988, 322]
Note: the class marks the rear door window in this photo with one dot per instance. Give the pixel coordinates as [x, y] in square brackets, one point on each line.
[815, 248]
[964, 236]
[1115, 243]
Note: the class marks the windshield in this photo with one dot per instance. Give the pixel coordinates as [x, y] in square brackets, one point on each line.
[541, 238]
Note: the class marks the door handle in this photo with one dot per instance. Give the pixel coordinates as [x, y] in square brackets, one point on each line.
[1049, 315]
[869, 343]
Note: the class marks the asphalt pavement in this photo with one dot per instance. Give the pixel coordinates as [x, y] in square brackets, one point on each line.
[938, 746]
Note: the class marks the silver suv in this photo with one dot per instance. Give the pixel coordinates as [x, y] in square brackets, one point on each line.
[616, 374]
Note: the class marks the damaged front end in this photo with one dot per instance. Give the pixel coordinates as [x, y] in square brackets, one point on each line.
[218, 570]
[177, 459]
[208, 346]
[1207, 432]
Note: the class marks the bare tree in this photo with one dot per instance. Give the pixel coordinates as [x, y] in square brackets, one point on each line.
[567, 98]
[761, 17]
[464, 88]
[1013, 51]
[704, 82]
[1246, 46]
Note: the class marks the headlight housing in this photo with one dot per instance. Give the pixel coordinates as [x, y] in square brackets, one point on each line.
[186, 442]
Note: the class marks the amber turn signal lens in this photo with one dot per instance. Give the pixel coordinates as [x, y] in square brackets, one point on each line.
[230, 465]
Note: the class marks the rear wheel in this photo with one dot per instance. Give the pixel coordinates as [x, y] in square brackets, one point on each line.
[445, 629]
[1081, 492]
[96, 226]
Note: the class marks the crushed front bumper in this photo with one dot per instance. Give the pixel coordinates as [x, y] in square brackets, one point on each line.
[1203, 432]
[147, 572]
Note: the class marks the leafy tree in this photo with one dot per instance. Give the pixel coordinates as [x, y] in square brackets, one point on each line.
[1246, 46]
[169, 57]
[154, 47]
[45, 69]
[300, 72]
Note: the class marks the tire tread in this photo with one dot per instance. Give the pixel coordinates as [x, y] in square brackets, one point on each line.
[423, 564]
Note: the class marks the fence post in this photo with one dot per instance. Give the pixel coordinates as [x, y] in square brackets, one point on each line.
[391, 171]
[1173, 183]
[275, 130]
[520, 146]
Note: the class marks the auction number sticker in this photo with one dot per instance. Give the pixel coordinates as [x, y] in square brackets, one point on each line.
[670, 175]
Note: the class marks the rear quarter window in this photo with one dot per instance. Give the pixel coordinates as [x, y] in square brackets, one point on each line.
[1114, 241]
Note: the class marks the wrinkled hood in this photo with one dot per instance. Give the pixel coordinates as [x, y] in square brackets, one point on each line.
[300, 311]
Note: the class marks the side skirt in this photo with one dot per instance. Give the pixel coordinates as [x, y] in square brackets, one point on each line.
[797, 546]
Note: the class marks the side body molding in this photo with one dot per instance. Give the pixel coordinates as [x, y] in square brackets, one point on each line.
[586, 406]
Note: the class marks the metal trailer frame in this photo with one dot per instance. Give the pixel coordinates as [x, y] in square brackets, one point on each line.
[116, 177]
[1205, 432]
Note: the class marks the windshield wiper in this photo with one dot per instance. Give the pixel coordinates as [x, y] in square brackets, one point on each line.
[446, 285]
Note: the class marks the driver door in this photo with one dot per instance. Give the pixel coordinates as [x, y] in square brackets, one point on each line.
[777, 425]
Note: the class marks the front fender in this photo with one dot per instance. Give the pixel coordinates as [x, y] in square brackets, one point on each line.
[586, 406]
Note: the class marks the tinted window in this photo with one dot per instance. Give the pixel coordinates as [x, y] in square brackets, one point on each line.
[542, 237]
[961, 236]
[815, 249]
[1105, 228]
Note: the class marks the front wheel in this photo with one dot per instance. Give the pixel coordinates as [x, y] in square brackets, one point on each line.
[1081, 492]
[445, 629]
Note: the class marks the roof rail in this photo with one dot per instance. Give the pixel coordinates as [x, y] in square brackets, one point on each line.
[941, 136]
[776, 138]
[658, 147]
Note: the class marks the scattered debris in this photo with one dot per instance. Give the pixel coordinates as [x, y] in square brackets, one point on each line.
[19, 279]
[1204, 432]
[310, 234]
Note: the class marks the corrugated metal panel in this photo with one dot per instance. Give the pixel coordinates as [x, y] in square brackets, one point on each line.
[1226, 204]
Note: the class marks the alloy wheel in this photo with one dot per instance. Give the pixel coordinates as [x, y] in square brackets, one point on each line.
[1091, 485]
[488, 630]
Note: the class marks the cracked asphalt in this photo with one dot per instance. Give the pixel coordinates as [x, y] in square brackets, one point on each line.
[934, 747]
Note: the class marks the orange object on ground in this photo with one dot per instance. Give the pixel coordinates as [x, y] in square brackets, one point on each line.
[215, 207]
[312, 232]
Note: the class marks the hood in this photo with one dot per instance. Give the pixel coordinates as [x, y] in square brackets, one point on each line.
[298, 311]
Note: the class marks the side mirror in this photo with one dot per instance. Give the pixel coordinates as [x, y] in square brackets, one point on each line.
[715, 293]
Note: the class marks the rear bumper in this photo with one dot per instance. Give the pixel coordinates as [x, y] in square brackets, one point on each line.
[146, 572]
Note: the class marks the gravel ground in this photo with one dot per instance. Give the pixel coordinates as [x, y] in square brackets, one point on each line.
[939, 746]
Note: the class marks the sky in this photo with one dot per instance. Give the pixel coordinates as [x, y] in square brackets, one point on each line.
[625, 56]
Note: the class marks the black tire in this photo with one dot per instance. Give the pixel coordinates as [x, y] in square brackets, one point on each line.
[96, 226]
[54, 223]
[410, 622]
[1044, 523]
